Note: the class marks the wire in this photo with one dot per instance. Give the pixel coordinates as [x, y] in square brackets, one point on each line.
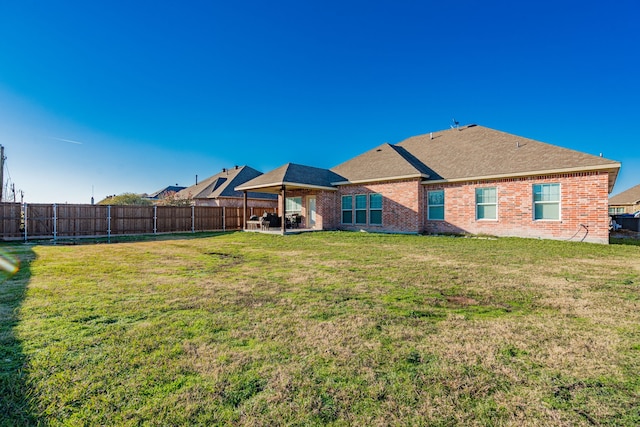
[586, 227]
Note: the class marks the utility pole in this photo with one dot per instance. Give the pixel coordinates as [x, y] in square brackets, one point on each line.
[2, 159]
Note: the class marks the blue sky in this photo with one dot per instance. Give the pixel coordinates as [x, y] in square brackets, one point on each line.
[124, 96]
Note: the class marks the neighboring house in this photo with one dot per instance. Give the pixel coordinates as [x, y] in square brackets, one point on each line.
[470, 179]
[626, 202]
[218, 190]
[161, 194]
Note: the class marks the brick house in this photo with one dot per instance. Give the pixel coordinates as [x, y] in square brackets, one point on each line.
[218, 190]
[626, 202]
[470, 179]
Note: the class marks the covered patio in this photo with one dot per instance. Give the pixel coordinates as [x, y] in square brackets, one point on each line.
[297, 187]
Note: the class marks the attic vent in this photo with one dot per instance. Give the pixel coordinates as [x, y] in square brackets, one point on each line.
[472, 125]
[379, 149]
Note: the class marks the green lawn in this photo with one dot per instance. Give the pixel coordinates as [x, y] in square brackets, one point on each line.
[329, 328]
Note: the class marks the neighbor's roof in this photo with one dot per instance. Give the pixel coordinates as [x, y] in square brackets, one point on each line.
[470, 152]
[164, 191]
[628, 197]
[222, 185]
[293, 176]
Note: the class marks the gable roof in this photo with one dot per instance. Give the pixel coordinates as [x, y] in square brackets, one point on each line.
[628, 197]
[168, 189]
[467, 153]
[460, 154]
[292, 176]
[222, 185]
[383, 162]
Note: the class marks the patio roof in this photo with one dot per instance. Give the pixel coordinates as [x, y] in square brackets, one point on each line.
[292, 176]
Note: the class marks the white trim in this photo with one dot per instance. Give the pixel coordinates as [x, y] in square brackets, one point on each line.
[486, 204]
[280, 184]
[523, 174]
[533, 203]
[355, 209]
[381, 209]
[342, 210]
[430, 205]
[393, 178]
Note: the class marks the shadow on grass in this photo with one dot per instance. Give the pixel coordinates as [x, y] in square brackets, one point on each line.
[15, 408]
[624, 241]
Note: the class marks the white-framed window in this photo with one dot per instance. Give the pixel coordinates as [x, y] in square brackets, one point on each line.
[486, 203]
[616, 210]
[361, 208]
[347, 209]
[293, 204]
[375, 209]
[435, 205]
[546, 202]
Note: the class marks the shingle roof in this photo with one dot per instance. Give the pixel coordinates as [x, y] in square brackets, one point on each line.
[469, 152]
[628, 197]
[383, 162]
[164, 191]
[476, 151]
[293, 176]
[466, 153]
[222, 185]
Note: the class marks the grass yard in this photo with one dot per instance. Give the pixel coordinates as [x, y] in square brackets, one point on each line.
[321, 329]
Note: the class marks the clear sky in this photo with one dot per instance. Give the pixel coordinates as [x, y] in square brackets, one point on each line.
[132, 96]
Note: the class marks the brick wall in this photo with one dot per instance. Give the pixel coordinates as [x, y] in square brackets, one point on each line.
[402, 203]
[584, 201]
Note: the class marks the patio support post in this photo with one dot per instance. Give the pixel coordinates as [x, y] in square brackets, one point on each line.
[283, 209]
[244, 210]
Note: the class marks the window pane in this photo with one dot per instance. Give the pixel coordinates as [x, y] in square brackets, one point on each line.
[436, 212]
[375, 201]
[293, 204]
[546, 192]
[485, 195]
[361, 217]
[547, 211]
[347, 202]
[361, 201]
[486, 211]
[347, 217]
[436, 197]
[375, 217]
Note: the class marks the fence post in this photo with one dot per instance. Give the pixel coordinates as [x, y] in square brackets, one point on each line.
[193, 219]
[26, 221]
[155, 219]
[55, 222]
[109, 223]
[224, 218]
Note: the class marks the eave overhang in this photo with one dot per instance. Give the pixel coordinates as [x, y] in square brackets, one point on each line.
[391, 178]
[612, 168]
[276, 187]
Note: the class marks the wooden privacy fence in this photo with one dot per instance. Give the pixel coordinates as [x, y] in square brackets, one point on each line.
[44, 221]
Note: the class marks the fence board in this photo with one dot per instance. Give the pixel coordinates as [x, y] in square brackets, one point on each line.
[11, 220]
[208, 218]
[40, 220]
[81, 220]
[68, 221]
